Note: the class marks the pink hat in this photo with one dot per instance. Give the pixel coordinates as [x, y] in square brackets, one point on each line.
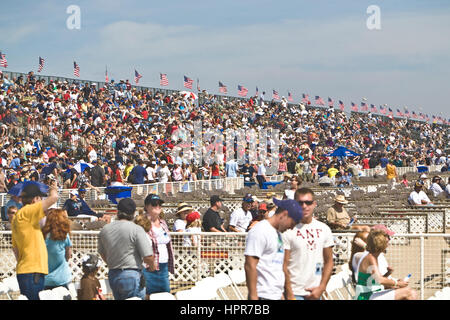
[382, 227]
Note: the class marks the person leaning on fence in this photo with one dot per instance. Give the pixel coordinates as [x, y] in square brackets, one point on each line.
[59, 247]
[194, 225]
[359, 245]
[28, 241]
[264, 252]
[418, 197]
[308, 259]
[212, 222]
[158, 280]
[371, 284]
[124, 246]
[183, 210]
[241, 217]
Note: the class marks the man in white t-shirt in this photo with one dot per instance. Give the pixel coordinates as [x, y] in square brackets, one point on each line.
[435, 186]
[264, 252]
[163, 172]
[308, 259]
[241, 217]
[418, 197]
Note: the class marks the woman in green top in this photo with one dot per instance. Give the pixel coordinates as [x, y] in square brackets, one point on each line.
[370, 283]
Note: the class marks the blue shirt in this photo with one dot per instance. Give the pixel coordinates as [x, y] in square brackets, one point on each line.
[139, 173]
[59, 272]
[231, 169]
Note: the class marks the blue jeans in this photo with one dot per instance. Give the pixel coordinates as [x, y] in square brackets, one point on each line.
[31, 284]
[125, 284]
[157, 281]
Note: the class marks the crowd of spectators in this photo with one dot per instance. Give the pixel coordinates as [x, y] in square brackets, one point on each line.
[127, 135]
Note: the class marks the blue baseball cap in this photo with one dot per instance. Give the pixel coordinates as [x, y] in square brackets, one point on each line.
[248, 198]
[294, 210]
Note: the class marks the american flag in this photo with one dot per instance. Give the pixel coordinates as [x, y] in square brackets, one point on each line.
[373, 109]
[41, 64]
[406, 114]
[434, 118]
[187, 82]
[427, 117]
[382, 110]
[275, 95]
[163, 81]
[364, 107]
[242, 91]
[414, 115]
[330, 102]
[137, 76]
[106, 75]
[341, 105]
[76, 69]
[290, 97]
[391, 113]
[399, 113]
[3, 61]
[354, 107]
[222, 88]
[306, 99]
[257, 91]
[320, 101]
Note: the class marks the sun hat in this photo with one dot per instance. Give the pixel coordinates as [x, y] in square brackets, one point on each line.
[340, 199]
[182, 207]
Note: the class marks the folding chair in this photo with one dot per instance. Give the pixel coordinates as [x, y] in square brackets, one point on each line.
[61, 293]
[237, 277]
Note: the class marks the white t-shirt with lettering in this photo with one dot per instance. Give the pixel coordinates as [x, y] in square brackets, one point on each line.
[265, 242]
[306, 243]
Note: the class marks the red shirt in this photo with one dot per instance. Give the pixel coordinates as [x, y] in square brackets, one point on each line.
[366, 163]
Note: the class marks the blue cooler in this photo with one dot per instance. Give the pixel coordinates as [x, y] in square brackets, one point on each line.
[114, 193]
[422, 169]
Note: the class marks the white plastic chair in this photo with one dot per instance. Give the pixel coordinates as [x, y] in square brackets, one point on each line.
[73, 290]
[134, 298]
[183, 295]
[22, 297]
[4, 290]
[12, 284]
[204, 293]
[162, 296]
[237, 277]
[61, 293]
[47, 295]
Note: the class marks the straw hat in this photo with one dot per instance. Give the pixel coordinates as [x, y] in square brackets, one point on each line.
[183, 207]
[340, 199]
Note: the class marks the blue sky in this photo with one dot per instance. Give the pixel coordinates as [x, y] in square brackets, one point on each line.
[316, 47]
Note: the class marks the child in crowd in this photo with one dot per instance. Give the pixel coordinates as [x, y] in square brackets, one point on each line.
[194, 225]
[405, 181]
[90, 288]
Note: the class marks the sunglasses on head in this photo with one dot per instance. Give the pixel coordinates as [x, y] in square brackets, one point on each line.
[307, 202]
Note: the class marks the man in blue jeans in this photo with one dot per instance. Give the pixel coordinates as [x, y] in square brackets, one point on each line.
[27, 240]
[124, 245]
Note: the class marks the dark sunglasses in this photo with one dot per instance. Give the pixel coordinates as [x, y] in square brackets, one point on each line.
[308, 202]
